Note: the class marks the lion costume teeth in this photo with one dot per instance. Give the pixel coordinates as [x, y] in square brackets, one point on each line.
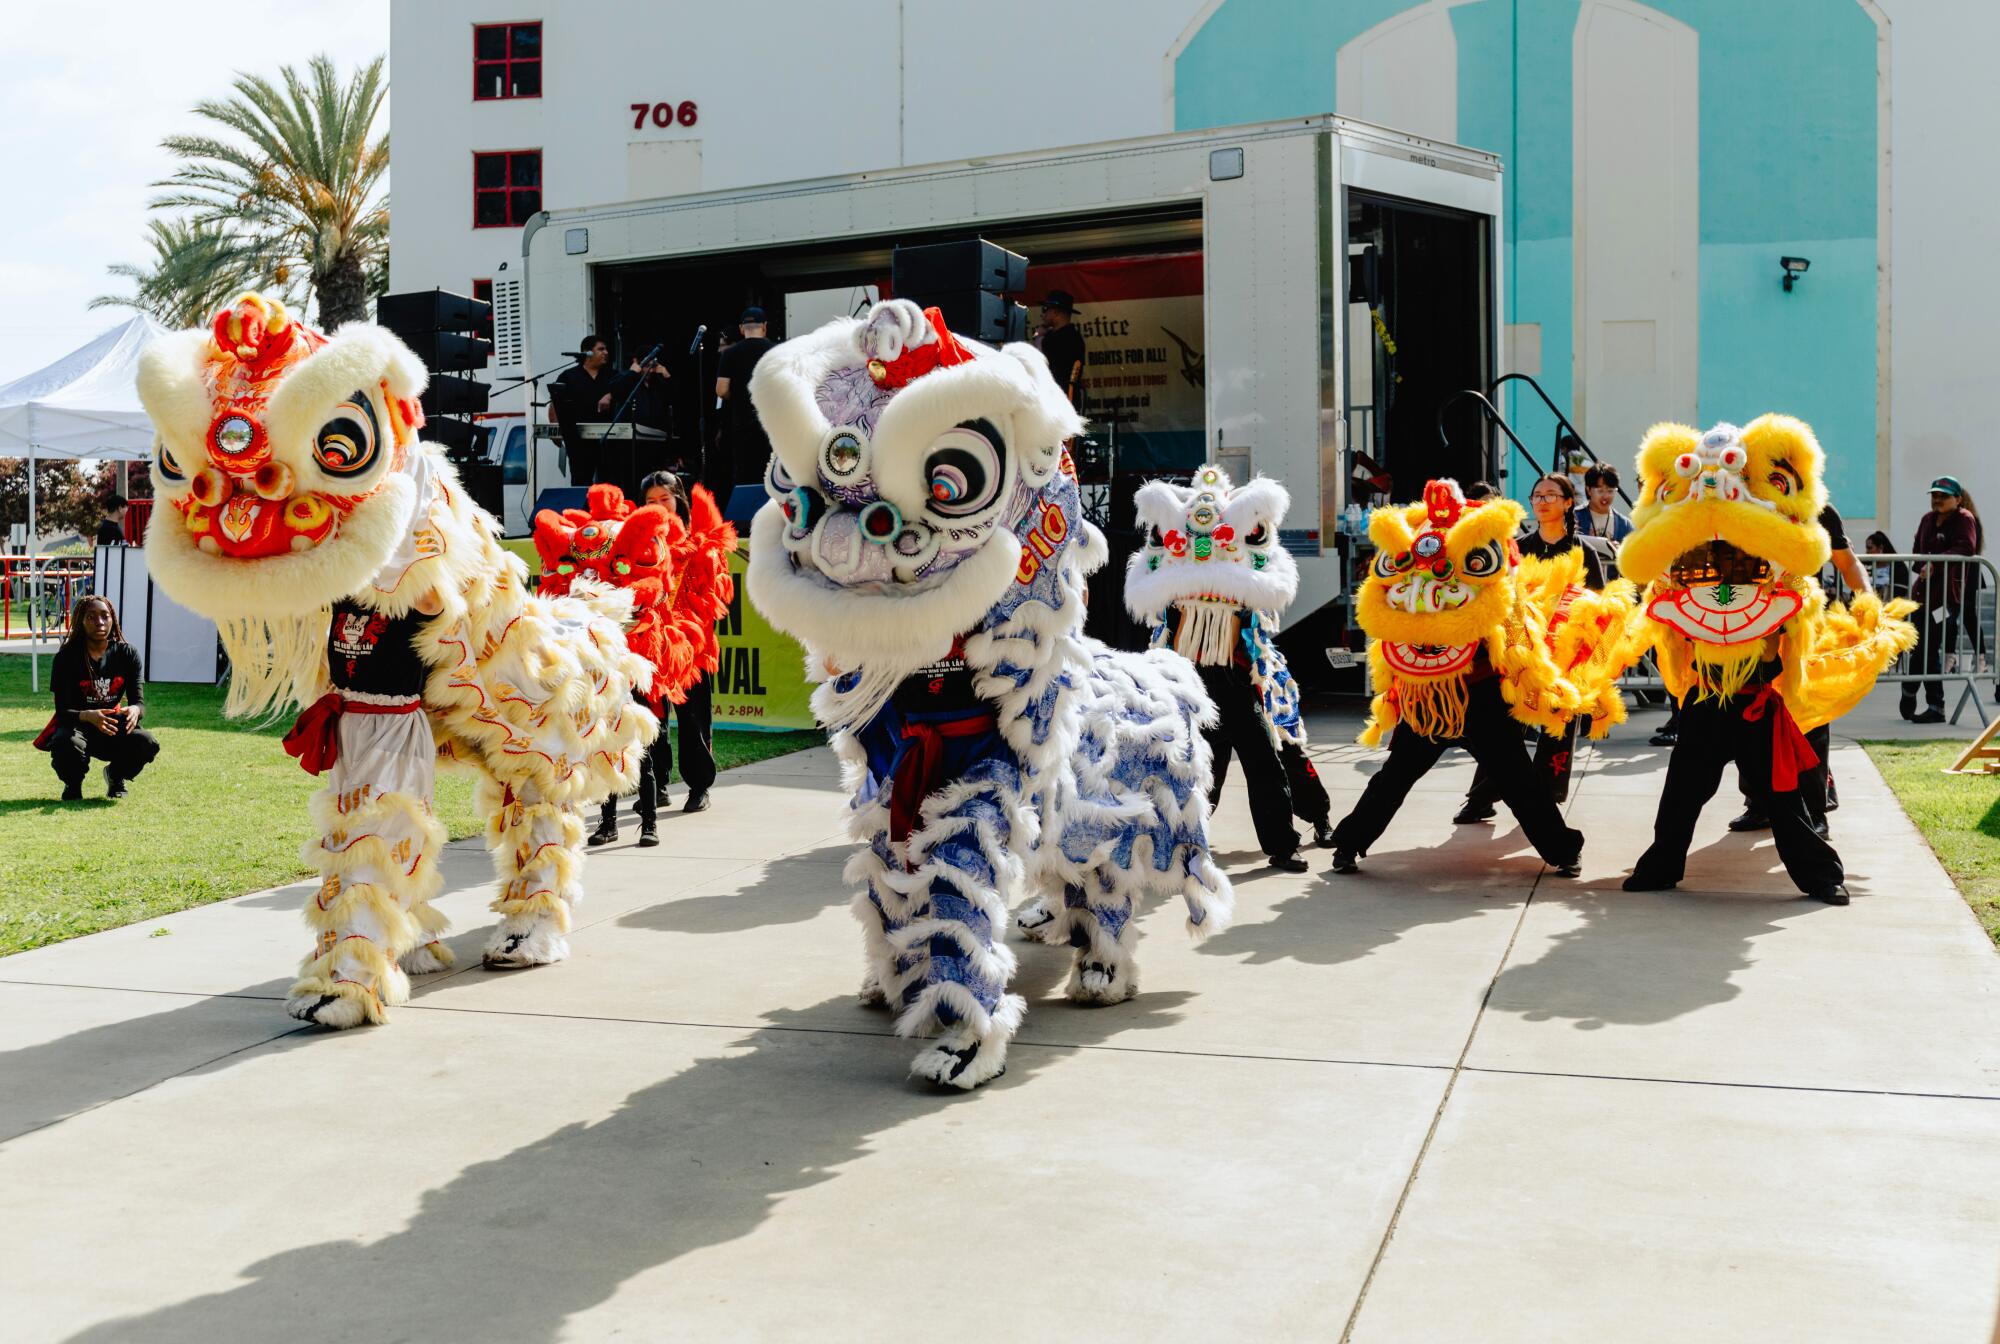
[300, 511]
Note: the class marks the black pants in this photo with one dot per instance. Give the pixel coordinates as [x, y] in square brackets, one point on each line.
[1928, 657]
[1815, 786]
[1555, 754]
[1309, 800]
[656, 767]
[1713, 734]
[1494, 739]
[126, 753]
[1241, 731]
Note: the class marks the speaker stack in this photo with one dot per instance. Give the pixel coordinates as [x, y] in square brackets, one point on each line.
[969, 282]
[443, 330]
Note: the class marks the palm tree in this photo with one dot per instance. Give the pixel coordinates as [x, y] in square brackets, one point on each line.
[304, 176]
[196, 270]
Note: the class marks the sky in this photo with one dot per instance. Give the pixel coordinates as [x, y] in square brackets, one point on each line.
[87, 91]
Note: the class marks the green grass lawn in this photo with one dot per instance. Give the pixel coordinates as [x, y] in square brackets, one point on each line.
[220, 813]
[1959, 816]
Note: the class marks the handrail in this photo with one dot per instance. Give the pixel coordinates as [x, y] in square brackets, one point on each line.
[1561, 419]
[1493, 414]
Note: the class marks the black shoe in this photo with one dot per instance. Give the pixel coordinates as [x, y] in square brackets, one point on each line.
[1908, 708]
[1928, 716]
[1323, 835]
[1573, 867]
[114, 787]
[606, 832]
[1288, 863]
[1833, 895]
[1473, 812]
[1820, 829]
[1346, 861]
[1638, 883]
[1750, 820]
[648, 836]
[697, 802]
[1664, 739]
[72, 793]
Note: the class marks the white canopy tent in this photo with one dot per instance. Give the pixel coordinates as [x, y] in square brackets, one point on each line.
[85, 405]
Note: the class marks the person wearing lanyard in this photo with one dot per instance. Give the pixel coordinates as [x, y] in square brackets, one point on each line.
[93, 670]
[1553, 534]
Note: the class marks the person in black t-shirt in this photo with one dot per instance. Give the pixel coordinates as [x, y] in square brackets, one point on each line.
[93, 670]
[743, 450]
[111, 527]
[1062, 344]
[586, 392]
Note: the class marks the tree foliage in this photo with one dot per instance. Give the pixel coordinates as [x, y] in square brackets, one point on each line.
[298, 169]
[196, 270]
[67, 495]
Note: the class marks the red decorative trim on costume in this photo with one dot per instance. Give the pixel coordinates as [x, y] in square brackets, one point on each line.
[1791, 754]
[917, 360]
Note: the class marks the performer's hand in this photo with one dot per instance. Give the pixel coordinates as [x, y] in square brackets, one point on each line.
[604, 403]
[130, 716]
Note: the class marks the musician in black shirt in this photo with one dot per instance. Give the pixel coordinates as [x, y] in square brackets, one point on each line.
[586, 392]
[743, 449]
[91, 673]
[1062, 344]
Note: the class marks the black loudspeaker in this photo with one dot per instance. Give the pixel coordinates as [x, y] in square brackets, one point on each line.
[448, 351]
[447, 395]
[457, 436]
[968, 282]
[432, 310]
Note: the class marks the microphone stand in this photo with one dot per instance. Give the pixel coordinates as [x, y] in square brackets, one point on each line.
[701, 399]
[535, 403]
[644, 361]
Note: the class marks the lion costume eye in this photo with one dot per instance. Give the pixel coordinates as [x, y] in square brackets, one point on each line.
[346, 444]
[1153, 537]
[962, 473]
[1780, 482]
[1485, 562]
[1389, 564]
[1260, 535]
[170, 470]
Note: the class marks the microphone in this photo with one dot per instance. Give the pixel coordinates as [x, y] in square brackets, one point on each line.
[651, 355]
[699, 332]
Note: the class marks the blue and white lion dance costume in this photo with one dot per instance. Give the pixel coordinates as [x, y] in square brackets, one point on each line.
[924, 541]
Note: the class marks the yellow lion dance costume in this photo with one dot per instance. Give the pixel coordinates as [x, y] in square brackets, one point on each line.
[349, 572]
[1461, 652]
[1726, 540]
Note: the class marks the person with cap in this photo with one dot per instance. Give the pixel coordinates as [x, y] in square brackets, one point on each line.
[743, 448]
[1946, 530]
[1062, 344]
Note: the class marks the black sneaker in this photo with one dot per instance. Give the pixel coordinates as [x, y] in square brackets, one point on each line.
[1473, 812]
[606, 832]
[1573, 867]
[1638, 883]
[1750, 820]
[1928, 716]
[697, 802]
[1908, 709]
[72, 793]
[1833, 895]
[1346, 861]
[1288, 863]
[1323, 835]
[114, 787]
[648, 835]
[1664, 739]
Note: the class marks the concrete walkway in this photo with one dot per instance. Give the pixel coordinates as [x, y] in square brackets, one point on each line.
[1452, 1098]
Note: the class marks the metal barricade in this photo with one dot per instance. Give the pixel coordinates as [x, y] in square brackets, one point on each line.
[37, 592]
[1956, 610]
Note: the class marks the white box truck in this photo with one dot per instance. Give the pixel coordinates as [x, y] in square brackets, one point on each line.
[1296, 298]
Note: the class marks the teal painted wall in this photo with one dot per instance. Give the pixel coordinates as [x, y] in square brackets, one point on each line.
[1788, 166]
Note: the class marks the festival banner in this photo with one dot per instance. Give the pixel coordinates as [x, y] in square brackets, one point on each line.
[761, 682]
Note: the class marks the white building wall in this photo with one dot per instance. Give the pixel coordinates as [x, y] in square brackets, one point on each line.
[786, 89]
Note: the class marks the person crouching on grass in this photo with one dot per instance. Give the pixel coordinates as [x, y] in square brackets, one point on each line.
[93, 670]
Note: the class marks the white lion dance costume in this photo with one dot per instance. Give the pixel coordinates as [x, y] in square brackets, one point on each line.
[349, 572]
[924, 540]
[1211, 580]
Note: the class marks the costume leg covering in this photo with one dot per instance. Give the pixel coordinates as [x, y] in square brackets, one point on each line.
[1411, 755]
[1494, 740]
[537, 854]
[377, 859]
[1703, 749]
[1098, 926]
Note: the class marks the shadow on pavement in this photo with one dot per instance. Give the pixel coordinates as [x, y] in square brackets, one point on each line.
[790, 902]
[506, 1251]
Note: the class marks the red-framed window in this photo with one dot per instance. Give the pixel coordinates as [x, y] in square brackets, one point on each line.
[483, 291]
[506, 61]
[506, 188]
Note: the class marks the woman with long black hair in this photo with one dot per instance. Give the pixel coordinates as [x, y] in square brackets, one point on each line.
[93, 670]
[1551, 534]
